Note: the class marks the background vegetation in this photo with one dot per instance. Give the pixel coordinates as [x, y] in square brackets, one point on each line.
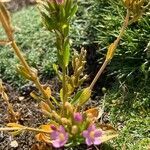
[36, 43]
[126, 78]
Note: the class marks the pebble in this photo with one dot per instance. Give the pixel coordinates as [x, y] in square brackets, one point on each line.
[14, 144]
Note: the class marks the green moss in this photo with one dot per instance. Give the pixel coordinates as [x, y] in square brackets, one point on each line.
[129, 112]
[36, 43]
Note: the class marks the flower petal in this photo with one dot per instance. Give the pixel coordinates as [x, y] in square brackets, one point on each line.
[91, 128]
[88, 141]
[97, 141]
[98, 133]
[85, 134]
[56, 143]
[61, 129]
[62, 143]
[54, 135]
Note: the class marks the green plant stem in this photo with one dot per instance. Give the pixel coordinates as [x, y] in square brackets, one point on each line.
[124, 26]
[64, 88]
[60, 40]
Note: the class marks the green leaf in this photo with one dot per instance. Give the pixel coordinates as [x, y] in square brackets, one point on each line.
[84, 97]
[54, 100]
[55, 67]
[76, 97]
[73, 11]
[61, 94]
[48, 22]
[62, 14]
[60, 59]
[51, 6]
[68, 7]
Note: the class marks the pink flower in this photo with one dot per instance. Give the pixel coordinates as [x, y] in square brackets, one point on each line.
[78, 117]
[59, 137]
[92, 135]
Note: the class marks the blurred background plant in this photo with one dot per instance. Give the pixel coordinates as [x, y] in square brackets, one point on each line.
[36, 43]
[131, 62]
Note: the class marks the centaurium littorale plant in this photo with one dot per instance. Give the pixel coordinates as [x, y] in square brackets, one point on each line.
[69, 123]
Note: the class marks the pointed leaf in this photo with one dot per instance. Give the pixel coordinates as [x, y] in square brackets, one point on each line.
[15, 125]
[54, 100]
[34, 95]
[68, 7]
[106, 138]
[73, 11]
[61, 94]
[84, 97]
[45, 107]
[111, 51]
[106, 127]
[93, 111]
[22, 70]
[17, 132]
[76, 97]
[48, 92]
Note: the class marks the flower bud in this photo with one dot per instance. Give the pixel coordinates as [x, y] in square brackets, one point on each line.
[53, 127]
[56, 116]
[69, 107]
[78, 117]
[65, 121]
[74, 129]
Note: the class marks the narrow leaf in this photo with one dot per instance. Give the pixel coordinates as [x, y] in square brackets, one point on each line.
[106, 138]
[111, 51]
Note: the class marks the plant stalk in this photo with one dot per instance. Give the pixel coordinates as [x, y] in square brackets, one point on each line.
[124, 26]
[24, 63]
[99, 74]
[21, 58]
[64, 86]
[24, 128]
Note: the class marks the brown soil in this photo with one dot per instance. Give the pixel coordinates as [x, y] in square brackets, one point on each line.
[30, 116]
[15, 5]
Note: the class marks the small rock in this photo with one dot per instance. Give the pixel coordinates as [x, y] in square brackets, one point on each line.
[21, 98]
[14, 144]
